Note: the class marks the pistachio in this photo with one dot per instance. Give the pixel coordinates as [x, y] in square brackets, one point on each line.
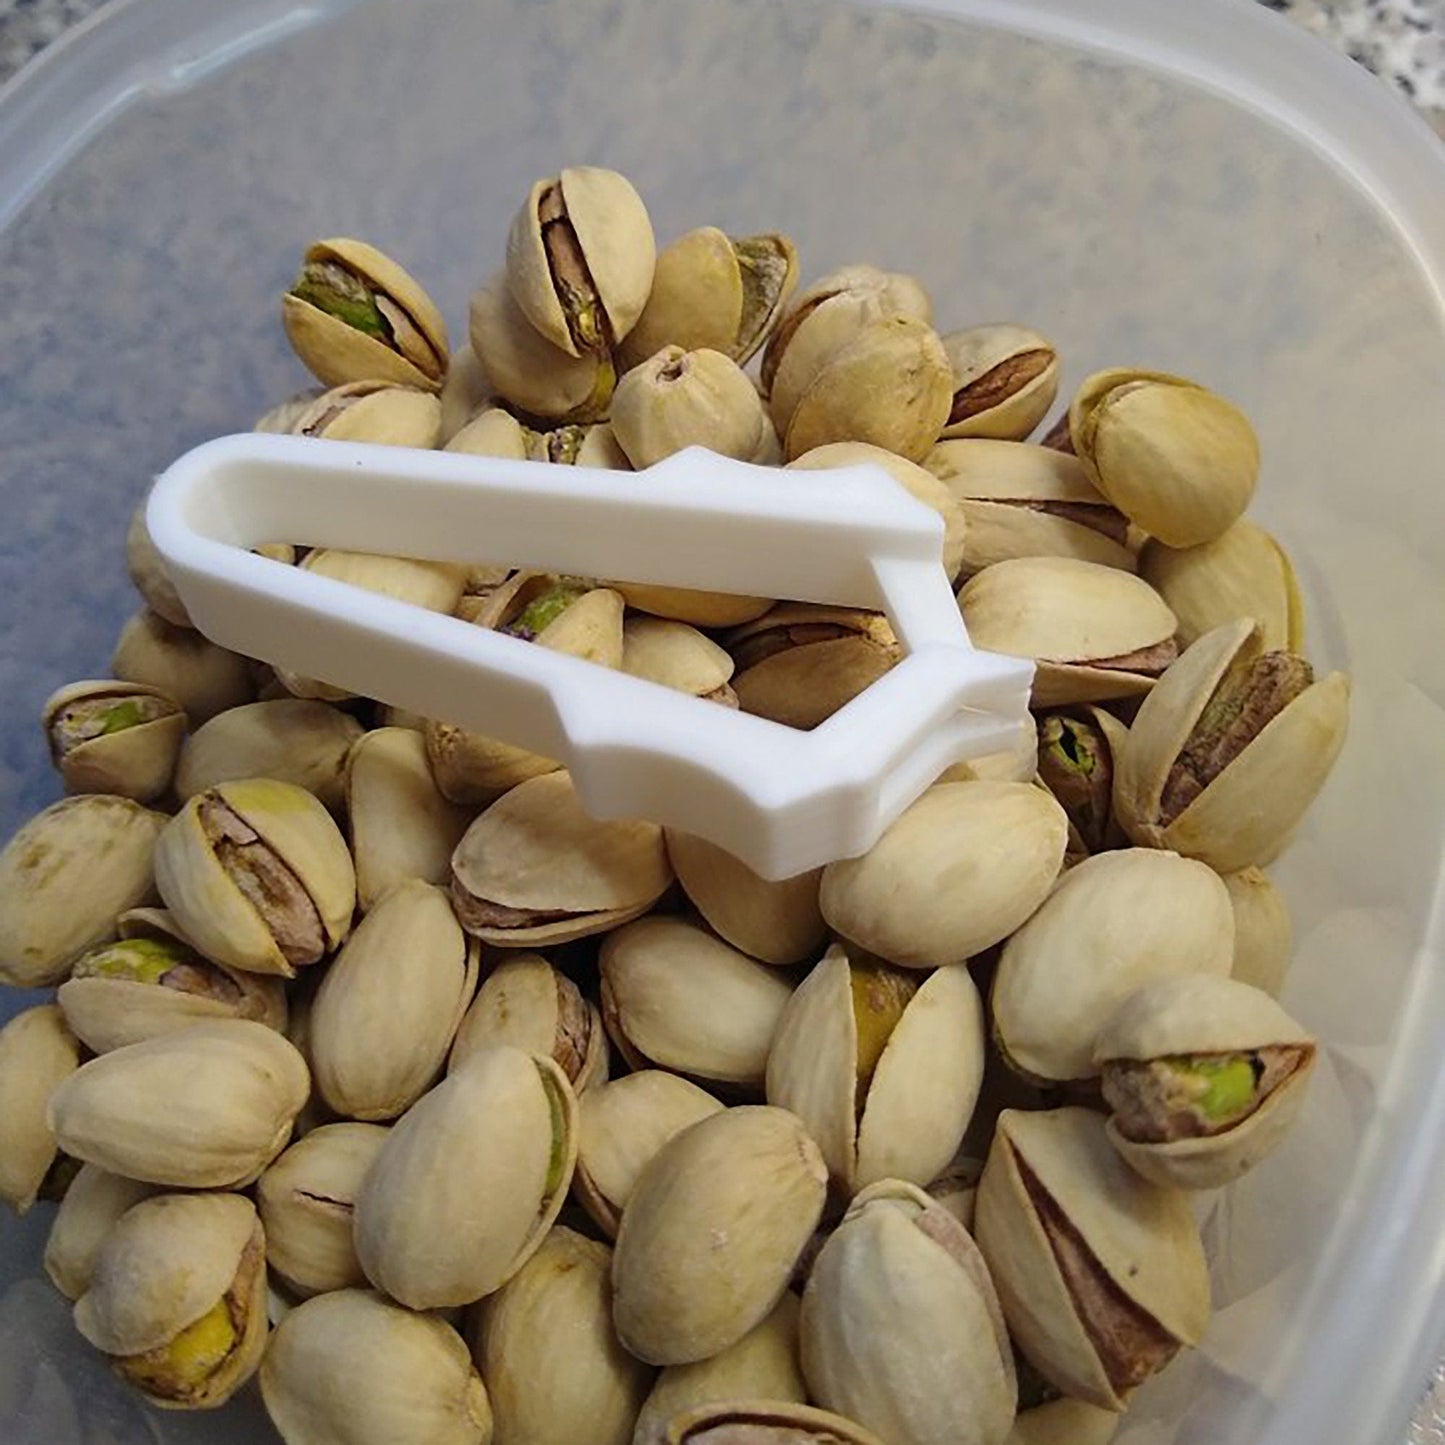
[677, 656]
[957, 1187]
[351, 1366]
[147, 571]
[1173, 456]
[203, 678]
[688, 604]
[1262, 932]
[94, 1202]
[1076, 752]
[1005, 378]
[114, 737]
[712, 1231]
[177, 1298]
[492, 432]
[64, 877]
[1046, 1417]
[473, 770]
[1017, 763]
[353, 314]
[465, 393]
[372, 411]
[37, 1052]
[1059, 438]
[279, 419]
[762, 1422]
[566, 614]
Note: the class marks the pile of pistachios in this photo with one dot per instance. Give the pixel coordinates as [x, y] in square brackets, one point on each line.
[379, 1071]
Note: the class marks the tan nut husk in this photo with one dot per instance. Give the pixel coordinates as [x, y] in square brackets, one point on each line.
[279, 419]
[1058, 1420]
[691, 605]
[677, 656]
[1077, 752]
[203, 678]
[1017, 763]
[1005, 378]
[147, 571]
[93, 1203]
[762, 1422]
[472, 770]
[372, 411]
[1263, 936]
[957, 1187]
[468, 1181]
[564, 614]
[492, 432]
[37, 1052]
[1100, 1273]
[466, 391]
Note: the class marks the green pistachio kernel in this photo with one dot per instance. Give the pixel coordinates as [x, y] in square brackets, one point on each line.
[338, 292]
[141, 960]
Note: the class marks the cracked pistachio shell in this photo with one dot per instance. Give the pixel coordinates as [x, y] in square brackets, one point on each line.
[466, 392]
[372, 411]
[203, 678]
[675, 997]
[1022, 500]
[351, 1368]
[207, 1107]
[390, 1002]
[576, 617]
[257, 839]
[884, 1072]
[1244, 572]
[307, 1199]
[621, 1125]
[1183, 1018]
[917, 481]
[762, 1422]
[678, 399]
[468, 1181]
[1174, 457]
[1263, 937]
[528, 370]
[763, 1365]
[382, 327]
[147, 570]
[1095, 632]
[714, 1227]
[114, 737]
[1246, 813]
[527, 1003]
[400, 824]
[1062, 1421]
[94, 1202]
[688, 604]
[279, 419]
[1005, 378]
[535, 868]
[294, 740]
[777, 922]
[544, 1343]
[491, 433]
[935, 889]
[64, 876]
[473, 770]
[1077, 749]
[677, 656]
[1101, 1273]
[178, 1298]
[37, 1053]
[1113, 922]
[901, 1328]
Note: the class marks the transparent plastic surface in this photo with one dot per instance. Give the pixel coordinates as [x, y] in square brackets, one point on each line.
[1189, 188]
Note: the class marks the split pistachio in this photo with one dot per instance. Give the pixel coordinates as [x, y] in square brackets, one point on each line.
[933, 889]
[37, 1053]
[147, 571]
[114, 737]
[1005, 378]
[372, 411]
[473, 770]
[465, 393]
[352, 1366]
[544, 1343]
[1173, 456]
[901, 1327]
[497, 433]
[566, 614]
[279, 419]
[1113, 923]
[712, 1231]
[390, 1002]
[93, 1203]
[674, 996]
[203, 678]
[1101, 1273]
[1225, 757]
[307, 1199]
[1076, 761]
[677, 656]
[1204, 1076]
[1263, 936]
[535, 868]
[468, 1181]
[178, 1298]
[691, 605]
[353, 314]
[763, 1422]
[64, 877]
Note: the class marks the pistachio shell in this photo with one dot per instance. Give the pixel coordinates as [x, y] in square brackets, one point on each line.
[1063, 1422]
[114, 737]
[677, 656]
[203, 678]
[372, 411]
[147, 571]
[712, 1231]
[351, 1368]
[1078, 751]
[37, 1052]
[687, 604]
[64, 877]
[465, 392]
[1005, 378]
[957, 1187]
[471, 769]
[545, 1345]
[1263, 937]
[1016, 764]
[933, 889]
[94, 1202]
[491, 433]
[1114, 922]
[591, 628]
[763, 1422]
[468, 1181]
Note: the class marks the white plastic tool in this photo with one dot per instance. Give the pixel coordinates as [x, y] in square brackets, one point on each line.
[781, 799]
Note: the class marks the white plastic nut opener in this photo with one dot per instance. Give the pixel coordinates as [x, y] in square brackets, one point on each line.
[781, 799]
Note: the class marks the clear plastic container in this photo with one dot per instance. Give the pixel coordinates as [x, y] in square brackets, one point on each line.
[1190, 187]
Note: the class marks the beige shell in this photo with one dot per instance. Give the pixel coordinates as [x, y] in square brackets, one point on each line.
[307, 1198]
[279, 419]
[134, 761]
[1244, 572]
[901, 1329]
[64, 877]
[1074, 619]
[778, 922]
[292, 739]
[1077, 752]
[1063, 1422]
[712, 1231]
[537, 854]
[1017, 763]
[491, 433]
[957, 1187]
[545, 1345]
[676, 656]
[37, 1052]
[675, 997]
[473, 770]
[351, 1368]
[621, 1125]
[468, 1181]
[918, 1102]
[762, 1422]
[465, 392]
[203, 678]
[93, 1203]
[1005, 378]
[1140, 1283]
[400, 825]
[147, 570]
[687, 604]
[1263, 937]
[933, 889]
[1114, 922]
[1247, 813]
[372, 411]
[169, 1261]
[389, 1004]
